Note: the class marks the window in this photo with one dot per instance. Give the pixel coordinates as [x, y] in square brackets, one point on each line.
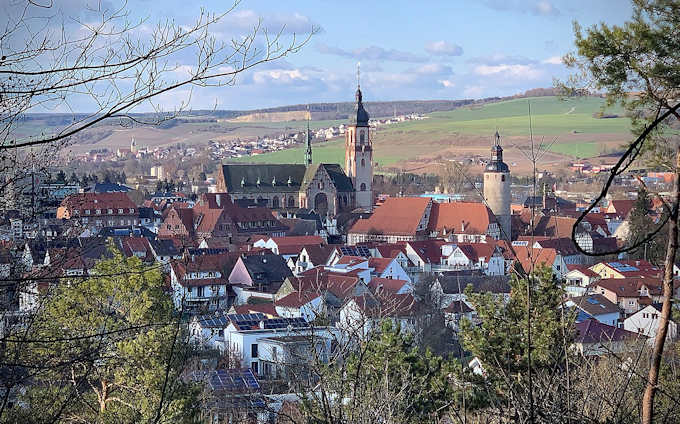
[253, 350]
[363, 186]
[132, 210]
[502, 177]
[363, 162]
[109, 211]
[274, 353]
[87, 211]
[361, 137]
[120, 210]
[253, 366]
[199, 291]
[98, 212]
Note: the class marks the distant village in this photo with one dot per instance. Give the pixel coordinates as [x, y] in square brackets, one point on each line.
[259, 258]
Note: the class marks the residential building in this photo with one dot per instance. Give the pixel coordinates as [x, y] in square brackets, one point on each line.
[646, 322]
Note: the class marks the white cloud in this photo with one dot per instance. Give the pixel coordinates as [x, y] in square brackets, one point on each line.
[545, 8]
[553, 60]
[280, 76]
[447, 83]
[513, 71]
[443, 48]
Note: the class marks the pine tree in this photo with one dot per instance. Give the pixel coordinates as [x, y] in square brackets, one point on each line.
[110, 350]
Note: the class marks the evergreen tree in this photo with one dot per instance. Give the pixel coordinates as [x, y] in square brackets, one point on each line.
[61, 176]
[110, 350]
[500, 341]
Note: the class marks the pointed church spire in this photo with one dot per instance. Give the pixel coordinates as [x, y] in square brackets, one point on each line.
[360, 116]
[308, 153]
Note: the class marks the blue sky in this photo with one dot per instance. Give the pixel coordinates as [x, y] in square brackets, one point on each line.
[408, 50]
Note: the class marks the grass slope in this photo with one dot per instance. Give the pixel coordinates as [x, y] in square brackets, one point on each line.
[551, 116]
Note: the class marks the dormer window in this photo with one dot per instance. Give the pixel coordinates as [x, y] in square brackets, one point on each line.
[109, 211]
[243, 182]
[98, 212]
[120, 210]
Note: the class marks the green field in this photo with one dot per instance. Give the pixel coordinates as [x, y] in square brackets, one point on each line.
[550, 117]
[578, 150]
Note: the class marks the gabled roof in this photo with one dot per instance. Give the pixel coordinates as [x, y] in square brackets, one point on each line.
[100, 201]
[595, 304]
[397, 216]
[385, 304]
[318, 255]
[460, 218]
[458, 307]
[593, 331]
[298, 240]
[297, 299]
[388, 284]
[379, 264]
[630, 287]
[266, 269]
[391, 250]
[429, 251]
[621, 207]
[267, 309]
[583, 269]
[266, 174]
[531, 258]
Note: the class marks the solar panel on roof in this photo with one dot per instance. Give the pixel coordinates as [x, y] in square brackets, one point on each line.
[592, 301]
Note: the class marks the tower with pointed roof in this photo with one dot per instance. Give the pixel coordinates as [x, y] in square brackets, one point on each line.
[497, 188]
[133, 146]
[359, 153]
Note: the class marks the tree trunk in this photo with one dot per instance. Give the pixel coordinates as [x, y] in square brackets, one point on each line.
[653, 378]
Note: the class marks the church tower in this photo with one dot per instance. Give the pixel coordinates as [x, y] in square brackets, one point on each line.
[133, 146]
[359, 153]
[497, 188]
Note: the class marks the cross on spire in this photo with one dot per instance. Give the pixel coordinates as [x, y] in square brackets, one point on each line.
[358, 74]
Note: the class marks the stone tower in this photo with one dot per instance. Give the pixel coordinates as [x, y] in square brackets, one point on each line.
[133, 146]
[359, 154]
[497, 188]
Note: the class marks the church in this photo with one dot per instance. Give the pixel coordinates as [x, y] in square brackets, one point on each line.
[324, 188]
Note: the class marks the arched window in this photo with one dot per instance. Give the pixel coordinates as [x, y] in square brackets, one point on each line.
[363, 162]
[291, 202]
[275, 202]
[363, 186]
[361, 137]
[502, 177]
[344, 200]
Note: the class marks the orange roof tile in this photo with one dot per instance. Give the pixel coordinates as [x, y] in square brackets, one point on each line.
[461, 217]
[397, 216]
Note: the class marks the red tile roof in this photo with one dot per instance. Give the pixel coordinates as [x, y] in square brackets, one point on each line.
[429, 251]
[379, 264]
[297, 299]
[461, 218]
[263, 308]
[388, 284]
[298, 240]
[397, 216]
[630, 287]
[531, 258]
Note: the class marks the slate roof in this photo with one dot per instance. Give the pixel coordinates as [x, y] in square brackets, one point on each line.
[266, 269]
[359, 117]
[593, 331]
[266, 173]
